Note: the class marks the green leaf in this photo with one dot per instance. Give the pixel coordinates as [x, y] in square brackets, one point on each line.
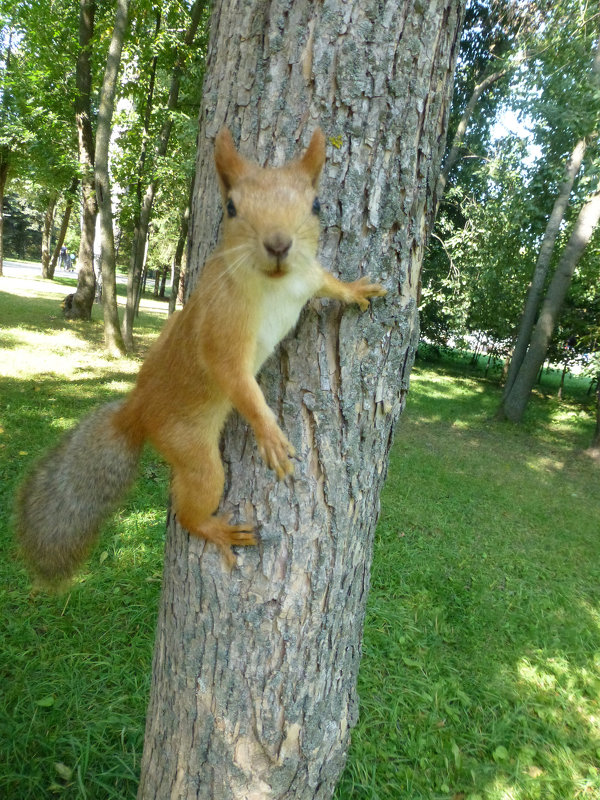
[66, 773]
[45, 702]
[500, 753]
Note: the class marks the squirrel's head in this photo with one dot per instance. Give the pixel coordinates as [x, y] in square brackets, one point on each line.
[271, 220]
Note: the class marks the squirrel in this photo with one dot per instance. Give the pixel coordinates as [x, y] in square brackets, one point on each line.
[249, 295]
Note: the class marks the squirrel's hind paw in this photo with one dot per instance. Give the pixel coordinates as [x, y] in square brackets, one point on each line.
[219, 531]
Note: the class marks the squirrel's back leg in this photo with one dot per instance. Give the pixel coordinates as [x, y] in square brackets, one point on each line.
[197, 487]
[197, 482]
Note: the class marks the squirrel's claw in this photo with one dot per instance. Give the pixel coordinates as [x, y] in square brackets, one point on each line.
[276, 451]
[363, 289]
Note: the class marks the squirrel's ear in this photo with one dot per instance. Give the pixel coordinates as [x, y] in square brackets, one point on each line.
[313, 159]
[230, 164]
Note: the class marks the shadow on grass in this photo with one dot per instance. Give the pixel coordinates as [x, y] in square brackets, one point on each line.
[40, 315]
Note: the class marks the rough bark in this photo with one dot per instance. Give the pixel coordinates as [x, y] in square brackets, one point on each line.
[47, 233]
[83, 299]
[64, 226]
[141, 234]
[254, 676]
[515, 402]
[113, 340]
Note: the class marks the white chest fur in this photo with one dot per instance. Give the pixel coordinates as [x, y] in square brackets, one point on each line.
[282, 303]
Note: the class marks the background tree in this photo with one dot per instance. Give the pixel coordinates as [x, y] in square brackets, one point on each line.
[54, 96]
[180, 53]
[69, 200]
[495, 41]
[266, 659]
[36, 92]
[83, 299]
[510, 196]
[112, 332]
[14, 134]
[514, 403]
[582, 119]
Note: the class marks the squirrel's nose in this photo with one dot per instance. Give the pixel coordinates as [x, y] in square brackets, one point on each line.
[278, 245]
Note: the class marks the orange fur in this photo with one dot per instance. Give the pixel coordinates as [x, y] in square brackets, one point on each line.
[249, 295]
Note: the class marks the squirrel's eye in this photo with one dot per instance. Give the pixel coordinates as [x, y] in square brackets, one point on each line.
[231, 210]
[316, 206]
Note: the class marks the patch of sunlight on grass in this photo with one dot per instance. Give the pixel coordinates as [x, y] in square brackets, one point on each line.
[67, 355]
[461, 424]
[34, 288]
[540, 463]
[64, 355]
[563, 419]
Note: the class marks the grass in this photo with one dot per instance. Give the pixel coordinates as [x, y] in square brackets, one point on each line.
[480, 676]
[74, 669]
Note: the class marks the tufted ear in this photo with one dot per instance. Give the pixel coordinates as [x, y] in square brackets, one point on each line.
[231, 166]
[313, 159]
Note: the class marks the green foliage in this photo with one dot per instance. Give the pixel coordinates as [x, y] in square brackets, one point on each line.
[37, 87]
[482, 254]
[155, 50]
[489, 229]
[37, 93]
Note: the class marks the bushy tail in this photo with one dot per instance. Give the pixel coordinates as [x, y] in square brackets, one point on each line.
[71, 490]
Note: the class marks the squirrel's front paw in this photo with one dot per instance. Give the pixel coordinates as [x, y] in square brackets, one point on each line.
[363, 289]
[276, 451]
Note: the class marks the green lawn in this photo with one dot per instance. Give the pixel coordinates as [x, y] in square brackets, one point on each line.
[74, 669]
[480, 676]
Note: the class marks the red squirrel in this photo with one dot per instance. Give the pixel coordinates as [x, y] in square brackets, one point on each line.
[249, 295]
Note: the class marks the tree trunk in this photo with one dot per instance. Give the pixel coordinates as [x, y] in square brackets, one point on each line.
[141, 287]
[64, 226]
[461, 129]
[139, 240]
[561, 385]
[83, 299]
[112, 333]
[163, 282]
[254, 676]
[516, 400]
[536, 286]
[3, 179]
[538, 280]
[133, 266]
[178, 256]
[47, 233]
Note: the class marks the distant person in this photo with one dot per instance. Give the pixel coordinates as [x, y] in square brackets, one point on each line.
[64, 257]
